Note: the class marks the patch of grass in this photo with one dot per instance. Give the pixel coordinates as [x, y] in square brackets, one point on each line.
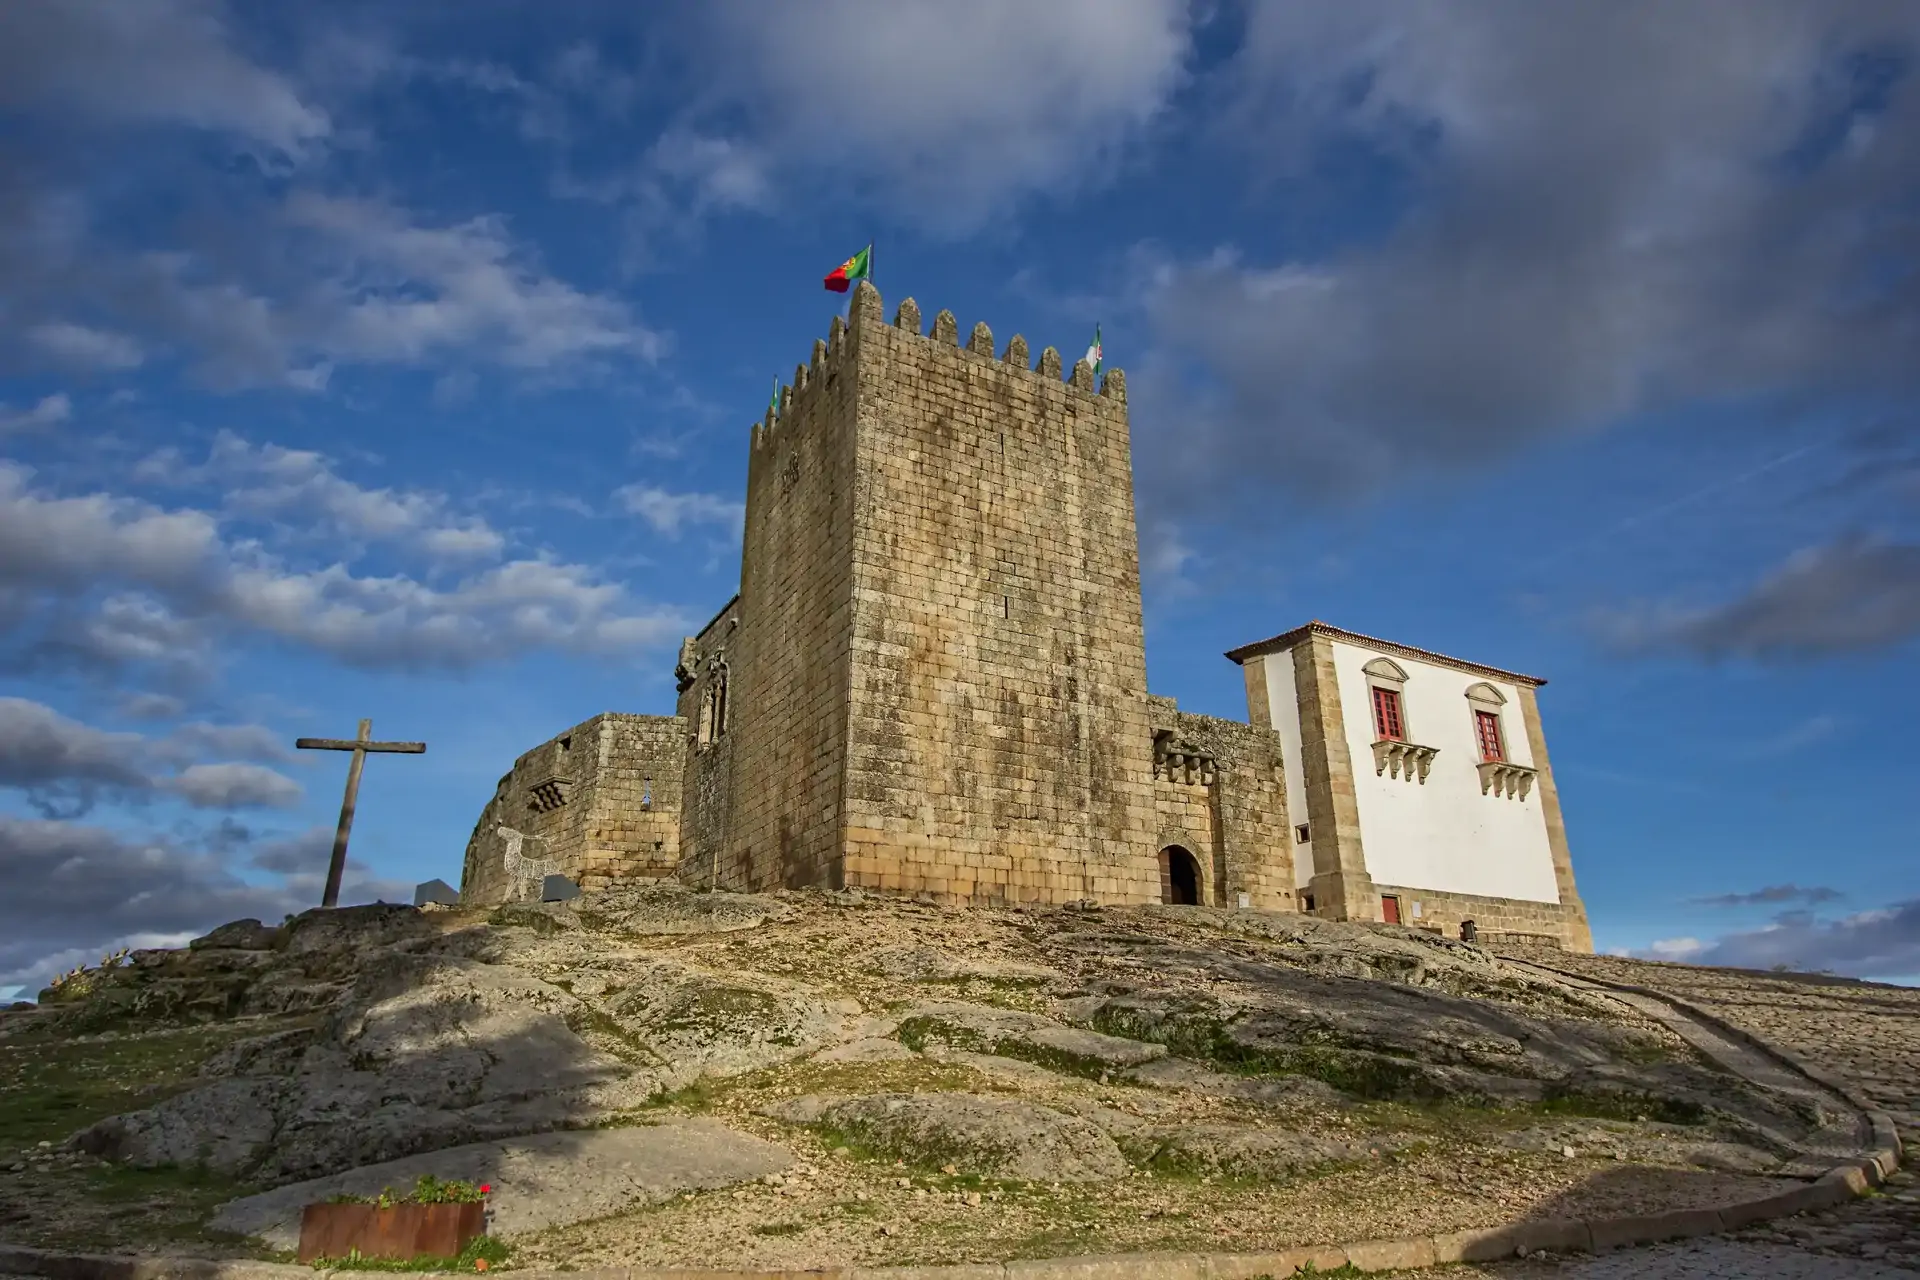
[51, 1086]
[1359, 1073]
[111, 1209]
[702, 1093]
[778, 1228]
[481, 1249]
[916, 1032]
[591, 1023]
[122, 1184]
[1620, 1106]
[716, 1007]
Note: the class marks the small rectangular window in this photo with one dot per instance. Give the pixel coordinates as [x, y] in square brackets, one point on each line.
[1303, 833]
[1386, 714]
[1486, 726]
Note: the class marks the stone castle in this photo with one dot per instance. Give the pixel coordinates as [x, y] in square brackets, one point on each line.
[933, 682]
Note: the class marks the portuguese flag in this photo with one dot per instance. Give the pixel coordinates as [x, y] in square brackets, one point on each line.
[858, 267]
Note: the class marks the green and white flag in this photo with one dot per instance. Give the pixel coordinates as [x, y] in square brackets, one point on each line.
[1093, 352]
[773, 405]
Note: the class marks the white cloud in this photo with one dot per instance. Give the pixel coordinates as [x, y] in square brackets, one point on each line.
[1882, 943]
[1851, 595]
[669, 512]
[166, 584]
[151, 706]
[1557, 255]
[198, 738]
[82, 347]
[302, 487]
[946, 114]
[234, 786]
[59, 543]
[40, 748]
[453, 288]
[148, 62]
[64, 766]
[50, 411]
[301, 287]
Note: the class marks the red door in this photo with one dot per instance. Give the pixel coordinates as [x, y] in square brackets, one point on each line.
[1390, 909]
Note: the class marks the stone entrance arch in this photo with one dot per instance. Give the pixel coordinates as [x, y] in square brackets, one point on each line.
[1180, 880]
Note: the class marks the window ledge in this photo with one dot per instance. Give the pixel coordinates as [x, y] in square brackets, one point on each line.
[1505, 778]
[1407, 760]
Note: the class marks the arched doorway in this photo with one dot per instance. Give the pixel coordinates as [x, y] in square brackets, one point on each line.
[1180, 877]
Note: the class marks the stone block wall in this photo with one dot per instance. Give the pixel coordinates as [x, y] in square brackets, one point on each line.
[598, 802]
[706, 787]
[997, 745]
[1230, 811]
[1490, 916]
[771, 788]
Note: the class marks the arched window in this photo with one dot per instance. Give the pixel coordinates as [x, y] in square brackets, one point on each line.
[1484, 703]
[1386, 691]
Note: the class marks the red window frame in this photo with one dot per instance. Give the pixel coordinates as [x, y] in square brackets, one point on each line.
[1387, 720]
[1486, 728]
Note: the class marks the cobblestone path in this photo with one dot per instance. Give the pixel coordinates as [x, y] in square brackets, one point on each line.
[1699, 1260]
[1865, 1033]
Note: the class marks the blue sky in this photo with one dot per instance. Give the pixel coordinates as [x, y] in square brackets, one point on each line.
[398, 361]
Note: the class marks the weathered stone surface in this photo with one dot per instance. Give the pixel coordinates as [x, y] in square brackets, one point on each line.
[998, 1137]
[245, 935]
[1243, 1152]
[539, 1181]
[1017, 1034]
[868, 1049]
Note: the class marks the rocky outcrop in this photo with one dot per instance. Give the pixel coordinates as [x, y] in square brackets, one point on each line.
[417, 1032]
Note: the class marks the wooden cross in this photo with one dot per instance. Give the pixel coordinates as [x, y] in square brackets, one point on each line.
[359, 746]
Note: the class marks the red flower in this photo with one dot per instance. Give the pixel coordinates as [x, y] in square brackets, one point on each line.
[485, 1187]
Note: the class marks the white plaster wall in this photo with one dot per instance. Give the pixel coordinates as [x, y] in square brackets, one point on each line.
[1283, 711]
[1444, 834]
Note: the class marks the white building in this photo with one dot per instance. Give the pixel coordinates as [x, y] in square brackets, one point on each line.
[1418, 786]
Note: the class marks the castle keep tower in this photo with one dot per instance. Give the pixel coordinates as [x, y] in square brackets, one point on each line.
[933, 681]
[934, 676]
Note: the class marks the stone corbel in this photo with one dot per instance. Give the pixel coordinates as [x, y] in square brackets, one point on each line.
[549, 794]
[1408, 760]
[1504, 778]
[1178, 761]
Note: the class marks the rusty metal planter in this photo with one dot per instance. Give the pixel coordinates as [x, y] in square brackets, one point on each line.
[405, 1231]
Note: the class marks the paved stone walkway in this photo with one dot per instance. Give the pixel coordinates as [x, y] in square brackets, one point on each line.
[1865, 1033]
[1701, 1260]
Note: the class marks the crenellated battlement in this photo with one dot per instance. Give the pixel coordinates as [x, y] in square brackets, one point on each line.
[866, 309]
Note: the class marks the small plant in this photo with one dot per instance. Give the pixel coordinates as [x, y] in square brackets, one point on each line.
[428, 1190]
[482, 1253]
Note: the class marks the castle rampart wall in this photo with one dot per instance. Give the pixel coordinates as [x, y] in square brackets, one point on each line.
[597, 803]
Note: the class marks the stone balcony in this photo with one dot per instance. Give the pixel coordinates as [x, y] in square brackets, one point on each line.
[1505, 778]
[1407, 760]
